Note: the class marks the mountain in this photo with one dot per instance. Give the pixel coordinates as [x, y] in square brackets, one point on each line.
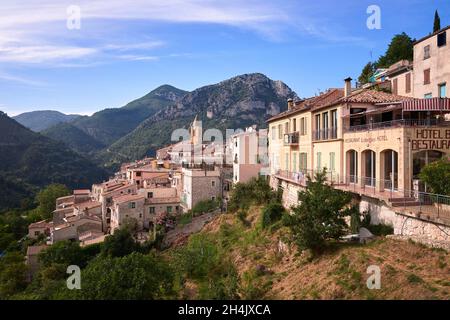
[234, 103]
[41, 120]
[73, 137]
[106, 126]
[29, 161]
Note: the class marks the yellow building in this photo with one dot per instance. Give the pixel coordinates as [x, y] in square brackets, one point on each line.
[369, 141]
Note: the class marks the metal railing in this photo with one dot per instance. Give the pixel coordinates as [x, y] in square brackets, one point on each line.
[301, 177]
[291, 138]
[421, 204]
[325, 134]
[397, 123]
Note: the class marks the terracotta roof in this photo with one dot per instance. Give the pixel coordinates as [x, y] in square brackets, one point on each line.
[80, 217]
[312, 103]
[128, 197]
[88, 205]
[81, 191]
[372, 96]
[126, 186]
[39, 224]
[34, 250]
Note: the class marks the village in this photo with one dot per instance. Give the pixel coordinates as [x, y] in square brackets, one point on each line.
[373, 141]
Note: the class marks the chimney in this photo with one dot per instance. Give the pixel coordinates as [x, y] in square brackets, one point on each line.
[290, 103]
[348, 87]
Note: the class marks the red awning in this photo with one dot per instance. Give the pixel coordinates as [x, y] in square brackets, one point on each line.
[433, 104]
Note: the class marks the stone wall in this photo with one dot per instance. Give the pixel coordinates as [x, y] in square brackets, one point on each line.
[430, 233]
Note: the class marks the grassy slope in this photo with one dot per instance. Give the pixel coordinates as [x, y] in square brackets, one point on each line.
[408, 270]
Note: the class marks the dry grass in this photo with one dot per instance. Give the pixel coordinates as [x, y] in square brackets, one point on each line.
[408, 270]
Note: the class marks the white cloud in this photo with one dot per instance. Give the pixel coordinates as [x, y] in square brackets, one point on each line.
[34, 31]
[13, 78]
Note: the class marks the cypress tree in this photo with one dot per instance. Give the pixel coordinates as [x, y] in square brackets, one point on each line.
[437, 22]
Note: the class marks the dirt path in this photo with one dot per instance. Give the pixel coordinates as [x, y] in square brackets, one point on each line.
[180, 233]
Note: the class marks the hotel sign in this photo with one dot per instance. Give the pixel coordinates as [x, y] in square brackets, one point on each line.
[366, 139]
[427, 139]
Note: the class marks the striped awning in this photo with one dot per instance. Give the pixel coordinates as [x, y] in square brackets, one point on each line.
[433, 104]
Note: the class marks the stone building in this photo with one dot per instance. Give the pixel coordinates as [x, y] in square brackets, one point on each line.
[200, 183]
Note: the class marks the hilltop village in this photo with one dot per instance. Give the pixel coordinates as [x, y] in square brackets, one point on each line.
[372, 140]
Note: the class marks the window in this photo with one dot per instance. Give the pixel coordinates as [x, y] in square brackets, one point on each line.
[332, 161]
[426, 76]
[442, 90]
[294, 162]
[442, 39]
[302, 126]
[408, 83]
[213, 198]
[319, 160]
[426, 52]
[395, 86]
[428, 95]
[286, 127]
[302, 159]
[169, 209]
[138, 174]
[140, 215]
[36, 233]
[280, 132]
[286, 161]
[149, 195]
[294, 125]
[151, 210]
[213, 183]
[325, 125]
[318, 126]
[133, 205]
[274, 132]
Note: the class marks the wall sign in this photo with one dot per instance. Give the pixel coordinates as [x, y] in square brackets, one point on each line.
[427, 139]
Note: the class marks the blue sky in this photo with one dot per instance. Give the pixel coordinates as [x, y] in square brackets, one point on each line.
[126, 48]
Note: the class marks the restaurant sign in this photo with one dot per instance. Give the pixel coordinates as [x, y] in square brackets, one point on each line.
[428, 139]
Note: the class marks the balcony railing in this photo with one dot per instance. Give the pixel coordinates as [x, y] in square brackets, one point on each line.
[291, 139]
[397, 123]
[301, 177]
[325, 134]
[421, 204]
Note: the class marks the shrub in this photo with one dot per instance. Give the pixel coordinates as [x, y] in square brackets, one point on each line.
[320, 215]
[271, 214]
[255, 192]
[205, 206]
[437, 176]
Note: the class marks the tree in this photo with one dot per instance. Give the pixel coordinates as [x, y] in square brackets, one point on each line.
[400, 48]
[13, 274]
[257, 191]
[133, 277]
[437, 22]
[437, 176]
[63, 252]
[46, 199]
[120, 244]
[271, 213]
[366, 73]
[320, 216]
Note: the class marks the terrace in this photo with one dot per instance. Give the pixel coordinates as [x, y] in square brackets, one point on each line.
[410, 113]
[424, 205]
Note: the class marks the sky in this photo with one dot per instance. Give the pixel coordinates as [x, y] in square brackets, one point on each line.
[81, 56]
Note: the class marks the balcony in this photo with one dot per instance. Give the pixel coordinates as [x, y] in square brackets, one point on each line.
[291, 139]
[325, 134]
[398, 123]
